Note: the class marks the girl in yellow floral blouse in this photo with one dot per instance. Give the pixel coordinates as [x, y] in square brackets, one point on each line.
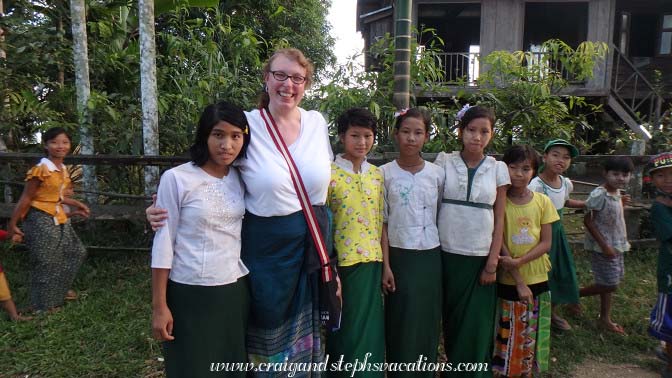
[356, 200]
[56, 253]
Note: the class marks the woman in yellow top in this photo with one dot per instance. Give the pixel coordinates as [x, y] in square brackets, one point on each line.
[56, 253]
[524, 310]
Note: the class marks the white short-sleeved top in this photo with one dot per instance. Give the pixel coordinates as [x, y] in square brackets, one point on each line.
[557, 195]
[268, 184]
[411, 205]
[200, 242]
[467, 230]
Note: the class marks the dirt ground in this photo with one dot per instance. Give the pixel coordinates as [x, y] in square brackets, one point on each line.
[595, 369]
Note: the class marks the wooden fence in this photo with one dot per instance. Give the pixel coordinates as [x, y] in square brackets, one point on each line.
[585, 172]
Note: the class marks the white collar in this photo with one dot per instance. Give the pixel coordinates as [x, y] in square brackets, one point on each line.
[50, 164]
[347, 164]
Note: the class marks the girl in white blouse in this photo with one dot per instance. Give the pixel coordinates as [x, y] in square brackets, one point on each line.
[471, 226]
[200, 297]
[411, 253]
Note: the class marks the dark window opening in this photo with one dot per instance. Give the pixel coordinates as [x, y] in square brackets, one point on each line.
[567, 22]
[643, 34]
[458, 25]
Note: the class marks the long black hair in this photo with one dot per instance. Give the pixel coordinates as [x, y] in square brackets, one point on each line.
[212, 115]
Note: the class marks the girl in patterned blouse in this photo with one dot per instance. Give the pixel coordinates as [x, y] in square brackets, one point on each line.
[56, 252]
[356, 199]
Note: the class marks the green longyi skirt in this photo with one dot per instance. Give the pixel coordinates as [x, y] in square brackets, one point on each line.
[209, 326]
[413, 311]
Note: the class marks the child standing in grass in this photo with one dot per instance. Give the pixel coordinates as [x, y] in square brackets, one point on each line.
[558, 155]
[6, 301]
[660, 171]
[522, 343]
[356, 199]
[471, 226]
[606, 236]
[411, 247]
[56, 253]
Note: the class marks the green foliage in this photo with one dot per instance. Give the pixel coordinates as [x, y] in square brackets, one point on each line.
[349, 85]
[29, 77]
[526, 91]
[661, 134]
[161, 6]
[203, 55]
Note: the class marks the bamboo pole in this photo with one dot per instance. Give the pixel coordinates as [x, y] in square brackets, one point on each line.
[402, 54]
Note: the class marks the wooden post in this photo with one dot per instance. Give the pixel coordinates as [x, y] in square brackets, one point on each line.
[638, 148]
[148, 91]
[402, 54]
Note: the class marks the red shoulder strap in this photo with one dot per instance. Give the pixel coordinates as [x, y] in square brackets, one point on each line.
[309, 214]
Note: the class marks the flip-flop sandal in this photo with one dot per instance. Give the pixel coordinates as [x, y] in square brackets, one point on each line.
[23, 318]
[613, 327]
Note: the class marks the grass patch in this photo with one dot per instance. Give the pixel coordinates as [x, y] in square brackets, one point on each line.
[631, 308]
[106, 333]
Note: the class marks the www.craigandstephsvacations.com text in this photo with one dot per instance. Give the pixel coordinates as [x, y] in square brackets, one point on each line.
[292, 368]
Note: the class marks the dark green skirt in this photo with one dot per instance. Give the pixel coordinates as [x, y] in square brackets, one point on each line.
[562, 277]
[362, 333]
[413, 311]
[209, 325]
[468, 313]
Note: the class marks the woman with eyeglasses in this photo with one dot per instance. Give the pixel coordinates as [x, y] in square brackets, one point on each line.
[284, 324]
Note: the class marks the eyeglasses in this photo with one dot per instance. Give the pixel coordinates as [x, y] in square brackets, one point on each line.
[281, 76]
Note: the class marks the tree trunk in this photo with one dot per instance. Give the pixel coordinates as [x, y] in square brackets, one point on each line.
[81, 63]
[61, 37]
[150, 114]
[402, 54]
[7, 190]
